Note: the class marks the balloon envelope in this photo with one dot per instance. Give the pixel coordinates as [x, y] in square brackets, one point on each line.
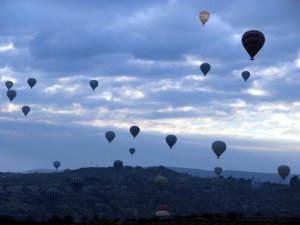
[161, 182]
[205, 68]
[218, 147]
[53, 194]
[118, 164]
[134, 130]
[245, 75]
[94, 84]
[110, 135]
[56, 164]
[171, 140]
[132, 151]
[204, 16]
[25, 110]
[253, 41]
[218, 171]
[11, 94]
[31, 82]
[283, 171]
[77, 183]
[9, 84]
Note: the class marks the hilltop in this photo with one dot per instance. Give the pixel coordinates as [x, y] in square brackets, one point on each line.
[132, 193]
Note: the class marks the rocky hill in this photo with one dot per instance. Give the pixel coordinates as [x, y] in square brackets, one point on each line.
[131, 192]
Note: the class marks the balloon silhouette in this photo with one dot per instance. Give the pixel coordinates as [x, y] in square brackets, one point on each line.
[283, 171]
[204, 16]
[245, 75]
[25, 110]
[53, 194]
[9, 84]
[134, 130]
[218, 170]
[171, 140]
[205, 68]
[219, 148]
[77, 183]
[56, 164]
[253, 41]
[31, 82]
[11, 94]
[94, 84]
[132, 151]
[110, 135]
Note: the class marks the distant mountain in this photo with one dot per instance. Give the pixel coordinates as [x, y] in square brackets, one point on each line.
[133, 192]
[272, 177]
[41, 171]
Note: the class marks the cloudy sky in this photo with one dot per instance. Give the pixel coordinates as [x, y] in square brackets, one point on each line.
[146, 57]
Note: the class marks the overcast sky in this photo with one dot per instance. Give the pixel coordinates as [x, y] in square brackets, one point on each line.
[146, 57]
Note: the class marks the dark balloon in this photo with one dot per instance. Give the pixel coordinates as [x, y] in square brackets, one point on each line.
[56, 164]
[205, 68]
[25, 110]
[9, 84]
[132, 151]
[253, 41]
[218, 170]
[94, 84]
[77, 183]
[11, 94]
[219, 148]
[171, 140]
[161, 182]
[118, 164]
[134, 130]
[245, 75]
[31, 82]
[110, 135]
[53, 194]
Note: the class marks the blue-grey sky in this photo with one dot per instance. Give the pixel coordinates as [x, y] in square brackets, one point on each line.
[146, 57]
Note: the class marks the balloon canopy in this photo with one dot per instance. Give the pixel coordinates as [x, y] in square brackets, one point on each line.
[171, 140]
[245, 75]
[110, 136]
[94, 84]
[205, 68]
[31, 82]
[253, 41]
[204, 16]
[134, 130]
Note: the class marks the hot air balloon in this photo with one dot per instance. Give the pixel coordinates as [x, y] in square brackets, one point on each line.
[25, 110]
[163, 211]
[204, 16]
[218, 147]
[11, 94]
[134, 130]
[56, 164]
[94, 84]
[31, 82]
[283, 171]
[253, 41]
[118, 164]
[205, 68]
[218, 171]
[256, 184]
[161, 182]
[110, 135]
[132, 151]
[245, 75]
[77, 183]
[9, 84]
[171, 140]
[53, 194]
